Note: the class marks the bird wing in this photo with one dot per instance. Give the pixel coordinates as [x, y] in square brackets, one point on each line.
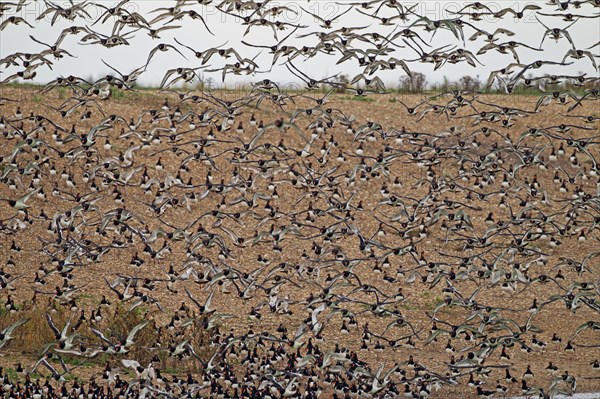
[133, 332]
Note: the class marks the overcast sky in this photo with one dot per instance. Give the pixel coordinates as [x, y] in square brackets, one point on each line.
[227, 28]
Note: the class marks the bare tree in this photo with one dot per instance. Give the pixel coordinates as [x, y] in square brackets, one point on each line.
[469, 83]
[415, 83]
[344, 81]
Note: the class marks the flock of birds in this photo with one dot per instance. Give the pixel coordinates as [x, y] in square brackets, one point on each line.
[320, 254]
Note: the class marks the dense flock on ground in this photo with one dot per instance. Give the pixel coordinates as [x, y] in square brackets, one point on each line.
[340, 240]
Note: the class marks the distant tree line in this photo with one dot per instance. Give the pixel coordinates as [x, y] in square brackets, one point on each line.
[417, 83]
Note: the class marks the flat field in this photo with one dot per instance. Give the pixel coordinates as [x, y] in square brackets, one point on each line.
[330, 233]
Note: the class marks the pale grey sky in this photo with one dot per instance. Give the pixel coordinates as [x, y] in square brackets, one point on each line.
[227, 28]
